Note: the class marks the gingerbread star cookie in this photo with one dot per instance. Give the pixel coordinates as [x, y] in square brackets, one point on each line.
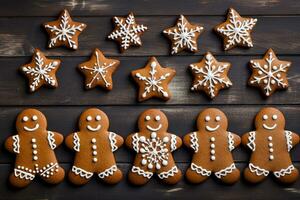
[183, 35]
[64, 31]
[269, 73]
[127, 32]
[153, 80]
[210, 75]
[99, 70]
[41, 71]
[236, 30]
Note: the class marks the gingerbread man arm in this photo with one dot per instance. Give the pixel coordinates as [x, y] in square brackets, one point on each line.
[115, 141]
[245, 139]
[69, 141]
[9, 144]
[59, 138]
[187, 140]
[295, 139]
[236, 139]
[129, 141]
[176, 142]
[120, 141]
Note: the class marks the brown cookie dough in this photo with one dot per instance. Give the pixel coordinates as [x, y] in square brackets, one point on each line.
[270, 144]
[34, 148]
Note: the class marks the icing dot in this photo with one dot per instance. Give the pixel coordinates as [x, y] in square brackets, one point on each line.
[150, 166]
[278, 75]
[153, 135]
[153, 64]
[274, 117]
[89, 118]
[273, 82]
[265, 117]
[157, 118]
[212, 146]
[33, 140]
[265, 67]
[270, 138]
[271, 150]
[213, 157]
[271, 157]
[207, 118]
[212, 152]
[94, 147]
[260, 72]
[274, 67]
[98, 117]
[157, 166]
[147, 117]
[34, 117]
[35, 157]
[265, 81]
[94, 153]
[95, 159]
[142, 150]
[144, 162]
[142, 139]
[93, 140]
[34, 146]
[212, 139]
[164, 163]
[165, 139]
[34, 151]
[218, 118]
[25, 119]
[270, 144]
[55, 63]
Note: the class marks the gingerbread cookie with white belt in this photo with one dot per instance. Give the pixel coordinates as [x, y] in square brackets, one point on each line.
[34, 148]
[270, 144]
[94, 146]
[212, 145]
[153, 146]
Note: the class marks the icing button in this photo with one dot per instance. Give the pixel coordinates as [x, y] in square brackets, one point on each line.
[270, 138]
[34, 146]
[212, 146]
[93, 140]
[94, 153]
[94, 147]
[271, 150]
[271, 157]
[213, 157]
[35, 158]
[95, 159]
[270, 144]
[33, 140]
[212, 139]
[153, 135]
[212, 152]
[34, 151]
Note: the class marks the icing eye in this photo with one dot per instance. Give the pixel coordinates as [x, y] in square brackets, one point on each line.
[34, 117]
[98, 117]
[25, 119]
[157, 118]
[148, 118]
[218, 118]
[207, 118]
[89, 118]
[274, 117]
[265, 117]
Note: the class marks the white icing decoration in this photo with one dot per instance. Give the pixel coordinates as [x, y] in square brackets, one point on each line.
[152, 82]
[23, 175]
[64, 31]
[274, 117]
[135, 141]
[194, 141]
[46, 170]
[129, 31]
[34, 117]
[251, 141]
[98, 118]
[112, 141]
[226, 171]
[183, 36]
[269, 127]
[237, 31]
[257, 170]
[154, 129]
[200, 170]
[90, 128]
[25, 119]
[268, 75]
[16, 143]
[265, 117]
[89, 118]
[81, 172]
[289, 142]
[76, 142]
[230, 141]
[211, 129]
[40, 72]
[167, 174]
[142, 172]
[51, 140]
[207, 118]
[211, 75]
[31, 129]
[284, 172]
[218, 118]
[147, 118]
[108, 172]
[173, 142]
[157, 118]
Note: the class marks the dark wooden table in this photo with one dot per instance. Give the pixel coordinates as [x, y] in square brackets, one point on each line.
[278, 27]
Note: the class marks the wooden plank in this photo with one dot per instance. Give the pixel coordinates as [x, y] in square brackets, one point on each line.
[211, 189]
[19, 36]
[153, 7]
[123, 121]
[71, 90]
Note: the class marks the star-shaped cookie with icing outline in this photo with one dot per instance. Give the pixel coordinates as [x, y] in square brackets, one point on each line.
[210, 75]
[41, 71]
[64, 31]
[236, 30]
[99, 70]
[183, 35]
[269, 73]
[153, 80]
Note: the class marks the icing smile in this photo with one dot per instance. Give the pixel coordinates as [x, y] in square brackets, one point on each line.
[269, 127]
[31, 129]
[93, 129]
[212, 129]
[154, 129]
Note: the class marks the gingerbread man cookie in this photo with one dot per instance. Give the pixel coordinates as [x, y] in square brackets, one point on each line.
[153, 146]
[34, 148]
[270, 144]
[212, 145]
[94, 146]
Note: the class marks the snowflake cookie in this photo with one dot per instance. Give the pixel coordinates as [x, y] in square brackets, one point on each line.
[41, 71]
[99, 70]
[127, 32]
[153, 80]
[64, 31]
[269, 73]
[183, 35]
[236, 30]
[210, 75]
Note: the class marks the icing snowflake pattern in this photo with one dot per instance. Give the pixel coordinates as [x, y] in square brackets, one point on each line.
[210, 75]
[183, 35]
[237, 30]
[127, 31]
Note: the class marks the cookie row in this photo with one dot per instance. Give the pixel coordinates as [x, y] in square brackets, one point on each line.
[94, 146]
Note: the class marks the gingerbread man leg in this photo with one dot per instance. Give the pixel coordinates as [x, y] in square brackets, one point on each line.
[170, 173]
[53, 174]
[20, 181]
[80, 174]
[198, 172]
[255, 174]
[139, 174]
[286, 173]
[109, 172]
[229, 174]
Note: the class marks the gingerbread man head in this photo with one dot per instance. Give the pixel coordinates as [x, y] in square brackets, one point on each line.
[269, 119]
[31, 120]
[93, 120]
[211, 120]
[153, 120]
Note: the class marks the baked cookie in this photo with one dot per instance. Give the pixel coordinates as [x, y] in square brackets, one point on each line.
[64, 31]
[236, 30]
[94, 146]
[270, 144]
[269, 73]
[41, 71]
[153, 80]
[210, 75]
[34, 148]
[212, 145]
[99, 70]
[183, 35]
[153, 146]
[127, 32]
